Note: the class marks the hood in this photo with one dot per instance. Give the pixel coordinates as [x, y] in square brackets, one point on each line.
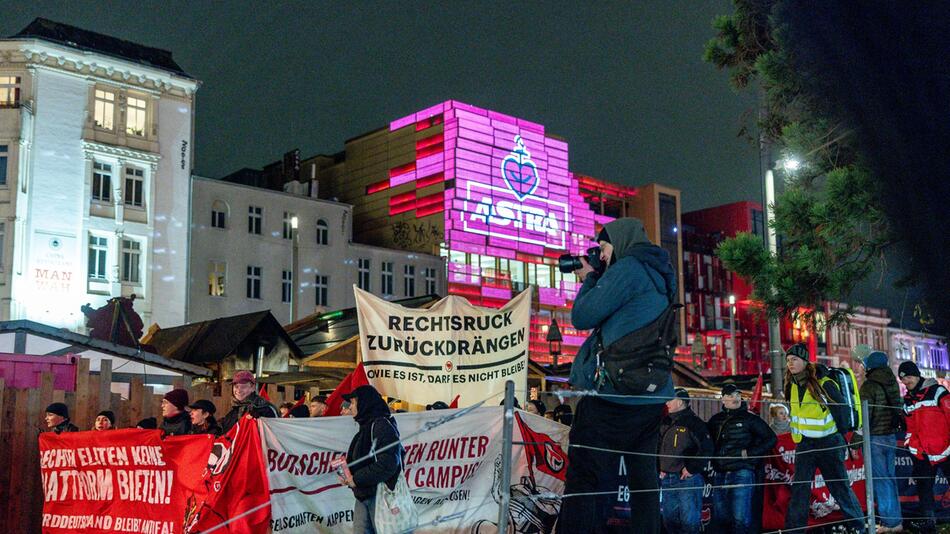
[369, 404]
[625, 234]
[925, 383]
[630, 239]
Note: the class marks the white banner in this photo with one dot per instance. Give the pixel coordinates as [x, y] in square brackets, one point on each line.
[452, 348]
[453, 472]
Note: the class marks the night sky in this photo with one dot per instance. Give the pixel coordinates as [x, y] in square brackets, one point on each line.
[623, 82]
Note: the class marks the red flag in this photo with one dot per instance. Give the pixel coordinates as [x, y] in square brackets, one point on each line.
[263, 392]
[352, 381]
[544, 454]
[455, 403]
[236, 490]
[755, 403]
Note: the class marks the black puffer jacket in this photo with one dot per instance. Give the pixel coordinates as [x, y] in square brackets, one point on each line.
[377, 425]
[735, 431]
[881, 389]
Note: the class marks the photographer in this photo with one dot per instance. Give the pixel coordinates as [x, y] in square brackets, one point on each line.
[635, 287]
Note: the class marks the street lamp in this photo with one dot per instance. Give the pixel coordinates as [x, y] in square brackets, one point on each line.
[293, 268]
[733, 357]
[554, 343]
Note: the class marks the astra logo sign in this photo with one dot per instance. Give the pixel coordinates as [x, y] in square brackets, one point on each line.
[515, 213]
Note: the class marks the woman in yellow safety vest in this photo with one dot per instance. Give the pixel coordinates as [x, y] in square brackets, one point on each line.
[814, 401]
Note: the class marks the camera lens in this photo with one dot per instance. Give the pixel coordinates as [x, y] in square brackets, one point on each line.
[567, 263]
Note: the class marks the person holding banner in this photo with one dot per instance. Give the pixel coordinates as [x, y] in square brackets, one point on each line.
[816, 403]
[105, 420]
[636, 286]
[57, 418]
[377, 429]
[175, 420]
[245, 401]
[201, 413]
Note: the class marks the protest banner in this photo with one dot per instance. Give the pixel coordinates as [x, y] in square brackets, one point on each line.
[233, 489]
[119, 480]
[452, 348]
[453, 472]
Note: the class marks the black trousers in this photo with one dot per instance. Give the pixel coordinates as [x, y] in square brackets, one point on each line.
[925, 475]
[599, 423]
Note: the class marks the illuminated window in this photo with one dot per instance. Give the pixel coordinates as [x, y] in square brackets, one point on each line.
[219, 214]
[131, 261]
[322, 287]
[323, 232]
[98, 252]
[135, 116]
[134, 187]
[517, 274]
[4, 154]
[101, 182]
[387, 278]
[409, 280]
[254, 216]
[288, 228]
[286, 285]
[253, 282]
[9, 91]
[217, 278]
[363, 279]
[429, 274]
[104, 112]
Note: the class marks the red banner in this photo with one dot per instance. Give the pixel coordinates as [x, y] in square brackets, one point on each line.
[823, 508]
[234, 496]
[119, 480]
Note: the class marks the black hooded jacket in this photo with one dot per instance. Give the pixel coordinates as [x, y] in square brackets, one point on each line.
[377, 425]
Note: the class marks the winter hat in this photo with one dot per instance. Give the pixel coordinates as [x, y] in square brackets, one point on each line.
[728, 389]
[202, 404]
[244, 377]
[59, 409]
[860, 352]
[149, 423]
[874, 360]
[798, 350]
[437, 405]
[906, 369]
[108, 415]
[300, 412]
[178, 397]
[681, 393]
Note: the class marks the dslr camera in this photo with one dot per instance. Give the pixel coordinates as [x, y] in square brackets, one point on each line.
[567, 263]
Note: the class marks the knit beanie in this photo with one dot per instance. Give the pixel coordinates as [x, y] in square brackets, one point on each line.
[108, 415]
[149, 423]
[874, 360]
[59, 409]
[798, 350]
[908, 369]
[682, 394]
[178, 397]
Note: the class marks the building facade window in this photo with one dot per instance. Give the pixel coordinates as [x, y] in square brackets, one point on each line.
[286, 285]
[288, 230]
[98, 252]
[134, 187]
[9, 91]
[861, 335]
[217, 278]
[255, 215]
[253, 282]
[386, 282]
[429, 273]
[135, 116]
[3, 235]
[131, 261]
[101, 182]
[409, 280]
[219, 214]
[322, 287]
[877, 337]
[323, 232]
[104, 111]
[363, 279]
[4, 158]
[758, 223]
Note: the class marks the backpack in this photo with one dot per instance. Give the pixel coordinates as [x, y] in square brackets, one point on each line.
[641, 361]
[848, 385]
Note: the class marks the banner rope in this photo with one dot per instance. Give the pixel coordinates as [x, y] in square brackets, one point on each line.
[552, 495]
[562, 394]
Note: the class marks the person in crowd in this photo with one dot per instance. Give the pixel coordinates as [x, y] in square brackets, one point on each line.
[816, 403]
[175, 420]
[377, 429]
[285, 408]
[636, 287]
[245, 401]
[885, 412]
[536, 407]
[318, 406]
[300, 412]
[563, 414]
[201, 413]
[105, 420]
[346, 408]
[684, 450]
[57, 418]
[149, 423]
[549, 415]
[741, 439]
[927, 407]
[437, 405]
[779, 421]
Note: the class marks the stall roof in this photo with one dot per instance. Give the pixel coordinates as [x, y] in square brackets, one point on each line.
[79, 343]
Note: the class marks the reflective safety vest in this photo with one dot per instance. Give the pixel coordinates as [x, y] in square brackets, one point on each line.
[808, 417]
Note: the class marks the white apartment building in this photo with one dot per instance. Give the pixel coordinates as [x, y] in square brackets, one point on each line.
[246, 255]
[96, 138]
